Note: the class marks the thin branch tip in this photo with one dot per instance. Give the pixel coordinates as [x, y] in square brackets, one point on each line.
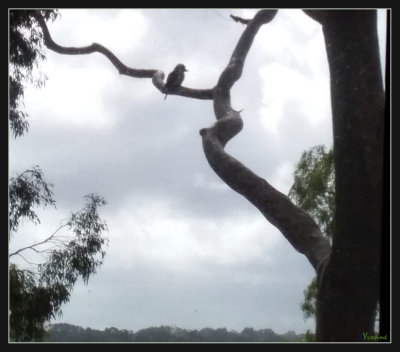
[240, 19]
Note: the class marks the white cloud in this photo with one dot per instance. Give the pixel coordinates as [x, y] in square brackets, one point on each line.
[283, 86]
[270, 115]
[80, 89]
[121, 31]
[282, 178]
[382, 35]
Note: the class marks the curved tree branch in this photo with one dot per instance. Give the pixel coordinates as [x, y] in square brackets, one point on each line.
[298, 227]
[157, 76]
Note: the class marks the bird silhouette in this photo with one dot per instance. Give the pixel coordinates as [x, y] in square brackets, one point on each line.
[175, 79]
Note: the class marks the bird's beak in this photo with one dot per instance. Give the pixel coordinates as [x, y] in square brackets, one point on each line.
[186, 70]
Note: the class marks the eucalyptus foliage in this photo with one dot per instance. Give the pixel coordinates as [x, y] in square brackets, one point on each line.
[32, 304]
[36, 294]
[84, 253]
[313, 190]
[25, 48]
[27, 190]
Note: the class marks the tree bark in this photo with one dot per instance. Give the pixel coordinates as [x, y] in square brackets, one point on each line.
[349, 285]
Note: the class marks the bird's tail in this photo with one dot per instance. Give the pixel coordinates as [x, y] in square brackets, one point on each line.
[165, 96]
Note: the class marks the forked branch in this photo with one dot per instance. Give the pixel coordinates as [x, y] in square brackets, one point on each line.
[32, 247]
[298, 227]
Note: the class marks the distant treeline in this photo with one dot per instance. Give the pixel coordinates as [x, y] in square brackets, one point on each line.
[73, 333]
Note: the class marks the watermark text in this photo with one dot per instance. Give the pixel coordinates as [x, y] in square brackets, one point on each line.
[367, 337]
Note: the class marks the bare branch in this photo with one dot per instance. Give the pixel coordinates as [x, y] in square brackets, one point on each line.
[222, 104]
[26, 260]
[157, 76]
[51, 237]
[298, 228]
[240, 19]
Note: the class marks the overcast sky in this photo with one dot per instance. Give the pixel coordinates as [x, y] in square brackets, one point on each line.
[184, 249]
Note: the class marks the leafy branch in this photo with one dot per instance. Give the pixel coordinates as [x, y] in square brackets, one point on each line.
[27, 190]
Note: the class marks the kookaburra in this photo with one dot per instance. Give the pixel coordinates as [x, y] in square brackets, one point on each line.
[175, 79]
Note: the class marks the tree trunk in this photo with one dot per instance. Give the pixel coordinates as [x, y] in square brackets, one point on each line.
[349, 284]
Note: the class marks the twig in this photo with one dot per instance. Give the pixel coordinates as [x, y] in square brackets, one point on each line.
[30, 263]
[240, 19]
[37, 244]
